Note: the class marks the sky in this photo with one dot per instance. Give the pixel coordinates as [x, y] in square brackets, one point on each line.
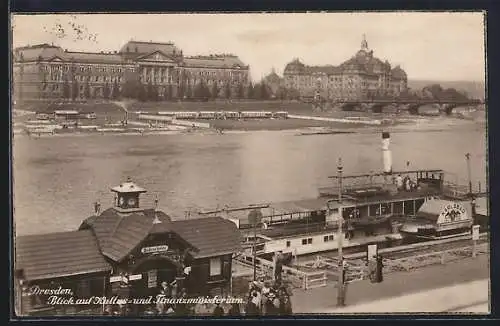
[428, 46]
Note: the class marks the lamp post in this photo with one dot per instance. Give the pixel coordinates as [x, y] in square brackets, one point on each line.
[467, 157]
[340, 236]
[19, 293]
[254, 218]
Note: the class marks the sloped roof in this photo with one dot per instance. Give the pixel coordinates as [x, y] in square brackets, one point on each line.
[364, 61]
[294, 65]
[60, 254]
[118, 234]
[398, 73]
[95, 57]
[328, 69]
[128, 187]
[273, 77]
[212, 236]
[214, 62]
[141, 47]
[47, 52]
[43, 51]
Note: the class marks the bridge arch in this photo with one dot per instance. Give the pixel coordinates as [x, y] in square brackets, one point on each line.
[413, 108]
[447, 108]
[348, 106]
[378, 107]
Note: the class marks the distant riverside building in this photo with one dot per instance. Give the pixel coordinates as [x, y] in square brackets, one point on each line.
[47, 71]
[361, 77]
[274, 82]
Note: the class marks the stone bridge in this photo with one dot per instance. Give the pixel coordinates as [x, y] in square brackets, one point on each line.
[412, 106]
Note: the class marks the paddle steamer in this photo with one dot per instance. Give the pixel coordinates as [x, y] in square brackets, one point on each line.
[388, 208]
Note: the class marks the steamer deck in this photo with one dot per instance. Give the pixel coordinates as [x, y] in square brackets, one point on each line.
[386, 208]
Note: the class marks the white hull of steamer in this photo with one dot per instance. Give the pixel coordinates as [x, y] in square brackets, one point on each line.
[308, 244]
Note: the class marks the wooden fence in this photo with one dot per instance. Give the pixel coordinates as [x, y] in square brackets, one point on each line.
[298, 278]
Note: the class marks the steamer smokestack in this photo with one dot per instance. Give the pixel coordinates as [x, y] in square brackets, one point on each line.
[386, 152]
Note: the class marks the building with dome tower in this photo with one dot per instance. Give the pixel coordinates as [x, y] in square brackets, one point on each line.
[362, 77]
[127, 251]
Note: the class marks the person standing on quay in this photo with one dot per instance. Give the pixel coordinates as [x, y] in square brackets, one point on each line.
[235, 310]
[218, 311]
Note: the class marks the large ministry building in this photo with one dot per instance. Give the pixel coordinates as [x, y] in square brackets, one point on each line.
[362, 77]
[43, 71]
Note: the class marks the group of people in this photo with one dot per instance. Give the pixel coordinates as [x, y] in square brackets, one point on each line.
[263, 298]
[172, 291]
[405, 184]
[268, 299]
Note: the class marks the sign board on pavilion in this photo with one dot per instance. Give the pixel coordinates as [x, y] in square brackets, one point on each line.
[154, 249]
[135, 277]
[113, 279]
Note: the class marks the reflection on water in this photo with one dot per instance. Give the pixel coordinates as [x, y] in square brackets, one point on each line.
[56, 180]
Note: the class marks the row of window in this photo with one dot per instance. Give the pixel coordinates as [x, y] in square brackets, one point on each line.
[311, 80]
[87, 68]
[56, 87]
[155, 71]
[213, 73]
[188, 81]
[308, 241]
[158, 80]
[104, 69]
[102, 79]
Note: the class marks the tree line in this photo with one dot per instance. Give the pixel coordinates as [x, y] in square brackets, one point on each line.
[434, 92]
[134, 89]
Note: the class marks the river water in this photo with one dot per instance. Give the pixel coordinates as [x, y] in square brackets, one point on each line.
[57, 179]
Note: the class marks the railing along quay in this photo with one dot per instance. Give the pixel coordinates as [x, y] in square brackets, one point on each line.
[318, 272]
[305, 279]
[406, 258]
[420, 246]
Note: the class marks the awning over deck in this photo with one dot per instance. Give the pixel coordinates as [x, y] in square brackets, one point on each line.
[296, 206]
[275, 209]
